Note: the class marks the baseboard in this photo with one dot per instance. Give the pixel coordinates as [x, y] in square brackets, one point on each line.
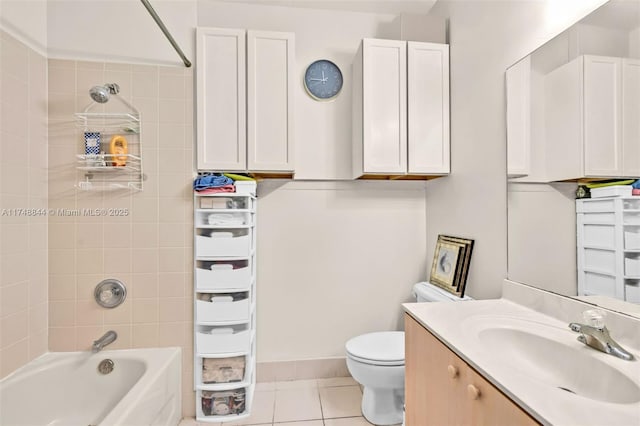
[321, 368]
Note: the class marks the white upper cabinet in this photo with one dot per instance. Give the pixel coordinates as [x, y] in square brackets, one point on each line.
[270, 68]
[592, 109]
[518, 79]
[631, 116]
[245, 100]
[428, 108]
[400, 109]
[221, 100]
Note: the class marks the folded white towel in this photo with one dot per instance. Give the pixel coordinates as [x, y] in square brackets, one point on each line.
[221, 299]
[218, 234]
[225, 219]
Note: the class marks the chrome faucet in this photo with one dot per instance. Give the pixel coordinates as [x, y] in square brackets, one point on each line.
[108, 338]
[598, 338]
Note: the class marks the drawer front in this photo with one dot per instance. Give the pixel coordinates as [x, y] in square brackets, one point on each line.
[230, 275]
[222, 244]
[632, 239]
[212, 404]
[215, 370]
[228, 218]
[221, 310]
[599, 284]
[236, 340]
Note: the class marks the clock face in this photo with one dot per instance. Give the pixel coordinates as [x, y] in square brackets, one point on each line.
[323, 80]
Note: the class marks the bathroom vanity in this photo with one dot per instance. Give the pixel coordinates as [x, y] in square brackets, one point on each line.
[514, 361]
[442, 389]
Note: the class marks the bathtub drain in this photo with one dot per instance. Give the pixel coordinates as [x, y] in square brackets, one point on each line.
[105, 366]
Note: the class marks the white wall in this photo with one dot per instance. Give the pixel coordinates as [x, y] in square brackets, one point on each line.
[634, 43]
[120, 31]
[335, 259]
[472, 202]
[26, 21]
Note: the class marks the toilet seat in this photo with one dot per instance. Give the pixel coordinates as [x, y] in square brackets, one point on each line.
[384, 348]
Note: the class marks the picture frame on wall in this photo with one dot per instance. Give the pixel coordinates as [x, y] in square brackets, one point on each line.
[451, 261]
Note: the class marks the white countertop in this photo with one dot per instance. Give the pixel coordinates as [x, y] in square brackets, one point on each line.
[456, 325]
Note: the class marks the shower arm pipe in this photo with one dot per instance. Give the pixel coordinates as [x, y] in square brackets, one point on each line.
[165, 31]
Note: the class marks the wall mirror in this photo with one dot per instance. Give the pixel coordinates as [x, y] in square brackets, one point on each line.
[570, 106]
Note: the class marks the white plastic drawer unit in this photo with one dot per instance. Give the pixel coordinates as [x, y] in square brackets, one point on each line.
[227, 202]
[223, 307]
[223, 243]
[599, 235]
[600, 260]
[632, 266]
[632, 291]
[220, 370]
[220, 404]
[224, 339]
[223, 275]
[595, 205]
[597, 283]
[632, 238]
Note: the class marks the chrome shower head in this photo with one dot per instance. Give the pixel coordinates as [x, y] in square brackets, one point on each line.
[101, 94]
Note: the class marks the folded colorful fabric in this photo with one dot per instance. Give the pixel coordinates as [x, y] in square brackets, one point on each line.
[211, 181]
[225, 188]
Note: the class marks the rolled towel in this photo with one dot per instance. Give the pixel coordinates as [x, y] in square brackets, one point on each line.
[221, 266]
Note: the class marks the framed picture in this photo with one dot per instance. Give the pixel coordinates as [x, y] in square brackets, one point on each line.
[451, 261]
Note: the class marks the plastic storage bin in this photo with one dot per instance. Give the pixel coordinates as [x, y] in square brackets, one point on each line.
[632, 267]
[224, 218]
[222, 370]
[223, 275]
[225, 339]
[599, 235]
[212, 243]
[600, 260]
[223, 403]
[601, 284]
[632, 239]
[224, 307]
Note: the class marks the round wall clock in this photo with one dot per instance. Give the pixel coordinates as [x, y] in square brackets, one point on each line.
[323, 80]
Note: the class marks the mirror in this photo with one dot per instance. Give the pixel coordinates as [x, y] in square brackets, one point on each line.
[542, 219]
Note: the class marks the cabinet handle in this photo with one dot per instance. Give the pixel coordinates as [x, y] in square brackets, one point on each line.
[473, 392]
[453, 371]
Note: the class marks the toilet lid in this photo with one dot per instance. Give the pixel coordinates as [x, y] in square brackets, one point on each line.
[384, 348]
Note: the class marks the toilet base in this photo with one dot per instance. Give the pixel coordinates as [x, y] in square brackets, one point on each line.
[383, 407]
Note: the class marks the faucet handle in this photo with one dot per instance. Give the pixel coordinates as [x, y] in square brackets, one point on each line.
[594, 318]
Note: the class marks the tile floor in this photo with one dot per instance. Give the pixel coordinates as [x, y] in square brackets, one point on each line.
[316, 402]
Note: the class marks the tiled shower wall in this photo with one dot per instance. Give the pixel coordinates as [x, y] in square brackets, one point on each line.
[150, 248]
[23, 204]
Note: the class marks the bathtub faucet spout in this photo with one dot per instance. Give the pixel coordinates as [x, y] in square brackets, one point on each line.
[108, 338]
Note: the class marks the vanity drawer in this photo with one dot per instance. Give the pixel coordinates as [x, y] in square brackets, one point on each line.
[223, 307]
[228, 243]
[227, 339]
[218, 404]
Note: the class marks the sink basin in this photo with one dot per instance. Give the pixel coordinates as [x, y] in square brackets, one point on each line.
[554, 357]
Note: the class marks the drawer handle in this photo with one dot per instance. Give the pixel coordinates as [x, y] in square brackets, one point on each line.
[473, 392]
[453, 371]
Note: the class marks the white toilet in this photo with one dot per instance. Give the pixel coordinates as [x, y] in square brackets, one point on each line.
[376, 361]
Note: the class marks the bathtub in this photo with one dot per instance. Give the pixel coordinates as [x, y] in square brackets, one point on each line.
[65, 388]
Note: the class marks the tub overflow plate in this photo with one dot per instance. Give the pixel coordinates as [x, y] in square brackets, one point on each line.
[105, 366]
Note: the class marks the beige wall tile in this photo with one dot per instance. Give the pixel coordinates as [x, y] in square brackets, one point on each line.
[88, 313]
[171, 334]
[173, 86]
[62, 339]
[144, 335]
[145, 311]
[14, 298]
[14, 356]
[38, 318]
[117, 261]
[38, 343]
[86, 335]
[62, 313]
[172, 284]
[145, 235]
[124, 336]
[122, 314]
[341, 401]
[145, 84]
[14, 328]
[89, 261]
[171, 310]
[144, 286]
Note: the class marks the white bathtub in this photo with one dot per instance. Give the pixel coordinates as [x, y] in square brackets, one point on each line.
[65, 388]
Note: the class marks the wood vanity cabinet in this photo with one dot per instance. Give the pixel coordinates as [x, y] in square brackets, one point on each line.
[442, 389]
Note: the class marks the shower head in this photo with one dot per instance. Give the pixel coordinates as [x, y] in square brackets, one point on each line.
[101, 94]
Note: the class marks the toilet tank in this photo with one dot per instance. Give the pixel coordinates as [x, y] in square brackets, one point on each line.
[427, 292]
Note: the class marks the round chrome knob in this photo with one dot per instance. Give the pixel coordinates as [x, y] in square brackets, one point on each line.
[110, 293]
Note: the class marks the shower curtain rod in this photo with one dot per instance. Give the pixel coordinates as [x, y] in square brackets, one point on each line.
[165, 31]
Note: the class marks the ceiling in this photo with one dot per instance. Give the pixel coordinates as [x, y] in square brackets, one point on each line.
[395, 7]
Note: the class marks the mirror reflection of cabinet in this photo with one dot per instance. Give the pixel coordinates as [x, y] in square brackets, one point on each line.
[590, 131]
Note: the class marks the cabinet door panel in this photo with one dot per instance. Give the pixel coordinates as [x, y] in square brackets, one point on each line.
[631, 117]
[384, 106]
[602, 109]
[270, 67]
[221, 139]
[428, 108]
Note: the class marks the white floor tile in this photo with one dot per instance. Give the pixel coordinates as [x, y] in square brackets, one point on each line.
[306, 423]
[337, 381]
[342, 401]
[297, 384]
[297, 405]
[192, 422]
[347, 421]
[265, 386]
[261, 411]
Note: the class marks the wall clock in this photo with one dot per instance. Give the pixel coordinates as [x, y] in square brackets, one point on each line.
[323, 80]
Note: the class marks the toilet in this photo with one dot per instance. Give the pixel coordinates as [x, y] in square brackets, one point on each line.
[376, 361]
